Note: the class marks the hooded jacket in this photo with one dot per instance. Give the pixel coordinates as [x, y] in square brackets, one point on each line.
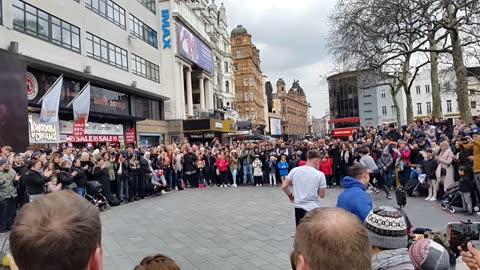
[354, 199]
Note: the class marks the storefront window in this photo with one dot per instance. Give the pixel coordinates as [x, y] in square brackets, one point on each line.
[152, 140]
[108, 101]
[148, 109]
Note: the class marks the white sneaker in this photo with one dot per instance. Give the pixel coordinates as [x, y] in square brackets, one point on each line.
[427, 198]
[176, 188]
[433, 199]
[369, 191]
[224, 185]
[260, 184]
[256, 185]
[164, 192]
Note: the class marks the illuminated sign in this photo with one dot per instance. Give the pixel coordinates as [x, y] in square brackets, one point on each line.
[167, 41]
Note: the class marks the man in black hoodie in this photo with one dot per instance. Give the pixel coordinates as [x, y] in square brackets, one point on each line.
[393, 134]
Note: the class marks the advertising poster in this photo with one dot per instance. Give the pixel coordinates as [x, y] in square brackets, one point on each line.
[275, 127]
[190, 47]
[13, 103]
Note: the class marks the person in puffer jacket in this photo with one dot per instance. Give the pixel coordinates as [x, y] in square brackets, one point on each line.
[385, 165]
[354, 199]
[258, 171]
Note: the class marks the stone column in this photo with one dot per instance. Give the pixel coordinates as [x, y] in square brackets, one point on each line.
[189, 92]
[202, 92]
[209, 94]
[181, 104]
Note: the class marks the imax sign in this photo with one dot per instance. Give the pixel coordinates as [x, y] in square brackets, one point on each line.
[167, 41]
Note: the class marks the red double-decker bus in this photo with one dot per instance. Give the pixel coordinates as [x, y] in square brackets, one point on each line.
[344, 127]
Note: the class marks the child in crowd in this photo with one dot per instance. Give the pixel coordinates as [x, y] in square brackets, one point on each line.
[326, 167]
[53, 185]
[201, 169]
[272, 170]
[467, 189]
[385, 165]
[222, 167]
[429, 165]
[283, 167]
[257, 171]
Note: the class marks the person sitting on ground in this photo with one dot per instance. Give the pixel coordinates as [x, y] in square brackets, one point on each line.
[387, 232]
[157, 262]
[354, 199]
[55, 224]
[426, 254]
[331, 238]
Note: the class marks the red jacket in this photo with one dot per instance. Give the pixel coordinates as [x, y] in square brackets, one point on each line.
[326, 167]
[222, 164]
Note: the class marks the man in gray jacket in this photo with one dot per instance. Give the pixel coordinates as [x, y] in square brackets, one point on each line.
[367, 161]
[8, 195]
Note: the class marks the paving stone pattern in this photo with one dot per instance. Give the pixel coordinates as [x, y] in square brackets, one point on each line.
[221, 228]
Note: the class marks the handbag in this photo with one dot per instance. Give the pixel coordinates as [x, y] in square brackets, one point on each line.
[443, 172]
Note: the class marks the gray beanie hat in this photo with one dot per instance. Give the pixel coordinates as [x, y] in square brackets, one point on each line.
[386, 228]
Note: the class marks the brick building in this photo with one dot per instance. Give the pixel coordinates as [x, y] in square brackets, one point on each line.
[250, 95]
[294, 110]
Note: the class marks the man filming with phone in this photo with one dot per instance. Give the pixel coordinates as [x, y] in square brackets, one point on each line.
[474, 144]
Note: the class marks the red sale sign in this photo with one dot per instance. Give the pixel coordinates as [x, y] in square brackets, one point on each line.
[93, 138]
[79, 128]
[130, 136]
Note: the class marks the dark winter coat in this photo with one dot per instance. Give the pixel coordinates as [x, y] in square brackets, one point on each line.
[81, 178]
[466, 183]
[429, 167]
[35, 182]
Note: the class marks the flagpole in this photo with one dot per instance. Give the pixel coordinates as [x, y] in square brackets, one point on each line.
[81, 91]
[53, 86]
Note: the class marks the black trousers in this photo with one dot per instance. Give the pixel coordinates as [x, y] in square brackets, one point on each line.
[142, 185]
[133, 185]
[258, 180]
[8, 211]
[380, 181]
[299, 214]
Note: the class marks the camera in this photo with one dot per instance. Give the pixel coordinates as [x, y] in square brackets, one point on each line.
[460, 233]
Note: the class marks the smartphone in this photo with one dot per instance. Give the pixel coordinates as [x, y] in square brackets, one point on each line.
[460, 233]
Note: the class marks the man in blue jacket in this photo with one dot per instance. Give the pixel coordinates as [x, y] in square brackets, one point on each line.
[354, 198]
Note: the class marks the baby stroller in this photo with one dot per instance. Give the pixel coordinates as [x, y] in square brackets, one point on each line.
[95, 196]
[452, 198]
[415, 186]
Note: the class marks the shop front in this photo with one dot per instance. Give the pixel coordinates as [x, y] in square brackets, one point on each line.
[95, 134]
[205, 130]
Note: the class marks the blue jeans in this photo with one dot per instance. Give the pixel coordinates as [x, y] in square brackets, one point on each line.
[81, 191]
[234, 176]
[389, 178]
[247, 170]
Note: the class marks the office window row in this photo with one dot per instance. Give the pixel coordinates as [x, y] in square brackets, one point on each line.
[145, 68]
[143, 31]
[109, 10]
[149, 4]
[104, 51]
[40, 24]
[418, 89]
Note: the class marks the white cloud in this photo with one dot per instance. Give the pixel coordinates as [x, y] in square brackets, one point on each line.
[291, 36]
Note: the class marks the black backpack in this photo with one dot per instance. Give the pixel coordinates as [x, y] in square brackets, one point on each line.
[401, 197]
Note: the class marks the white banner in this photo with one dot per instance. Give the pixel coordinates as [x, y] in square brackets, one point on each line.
[40, 133]
[50, 103]
[81, 104]
[66, 127]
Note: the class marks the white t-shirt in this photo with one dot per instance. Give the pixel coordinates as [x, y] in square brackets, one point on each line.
[307, 181]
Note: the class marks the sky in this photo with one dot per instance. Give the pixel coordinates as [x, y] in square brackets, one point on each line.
[292, 37]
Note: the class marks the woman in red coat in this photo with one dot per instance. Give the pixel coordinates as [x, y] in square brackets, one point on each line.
[222, 167]
[326, 167]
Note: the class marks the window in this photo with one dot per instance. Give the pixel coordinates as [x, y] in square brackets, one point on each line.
[427, 89]
[239, 54]
[429, 108]
[368, 119]
[394, 110]
[145, 68]
[239, 41]
[247, 96]
[227, 86]
[366, 96]
[247, 108]
[367, 103]
[149, 4]
[419, 91]
[106, 52]
[235, 68]
[473, 104]
[384, 110]
[251, 96]
[143, 31]
[251, 81]
[449, 106]
[384, 95]
[419, 108]
[37, 23]
[245, 82]
[226, 66]
[109, 10]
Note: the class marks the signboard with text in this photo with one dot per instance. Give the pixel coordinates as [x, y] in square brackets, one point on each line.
[93, 138]
[66, 127]
[130, 136]
[42, 133]
[79, 128]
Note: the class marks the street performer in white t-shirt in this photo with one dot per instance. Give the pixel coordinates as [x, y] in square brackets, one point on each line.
[309, 185]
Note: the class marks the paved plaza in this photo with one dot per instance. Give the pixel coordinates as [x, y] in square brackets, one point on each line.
[222, 228]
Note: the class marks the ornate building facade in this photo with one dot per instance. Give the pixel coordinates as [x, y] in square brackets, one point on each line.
[293, 109]
[249, 89]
